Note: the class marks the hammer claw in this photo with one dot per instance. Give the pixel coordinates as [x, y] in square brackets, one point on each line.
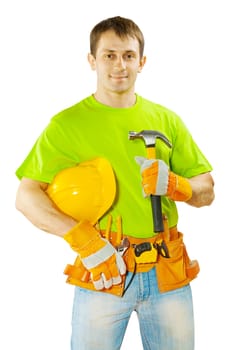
[149, 137]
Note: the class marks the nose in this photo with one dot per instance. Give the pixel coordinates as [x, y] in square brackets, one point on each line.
[119, 63]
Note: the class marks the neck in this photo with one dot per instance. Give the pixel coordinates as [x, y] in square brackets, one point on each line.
[116, 100]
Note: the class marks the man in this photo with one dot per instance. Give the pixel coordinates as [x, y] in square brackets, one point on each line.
[93, 136]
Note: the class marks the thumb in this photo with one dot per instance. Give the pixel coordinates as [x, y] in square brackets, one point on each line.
[144, 162]
[140, 160]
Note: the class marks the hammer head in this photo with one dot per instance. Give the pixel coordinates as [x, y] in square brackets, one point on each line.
[149, 137]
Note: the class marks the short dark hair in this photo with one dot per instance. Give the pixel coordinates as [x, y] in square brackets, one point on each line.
[122, 27]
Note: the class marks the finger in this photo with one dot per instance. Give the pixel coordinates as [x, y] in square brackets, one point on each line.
[120, 264]
[115, 271]
[116, 280]
[98, 284]
[107, 282]
[112, 268]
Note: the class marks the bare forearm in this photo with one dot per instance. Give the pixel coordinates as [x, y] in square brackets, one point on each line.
[34, 203]
[202, 190]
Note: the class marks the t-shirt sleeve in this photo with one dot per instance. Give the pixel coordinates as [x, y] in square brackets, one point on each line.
[187, 159]
[51, 153]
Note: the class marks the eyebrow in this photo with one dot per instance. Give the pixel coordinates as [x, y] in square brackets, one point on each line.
[111, 50]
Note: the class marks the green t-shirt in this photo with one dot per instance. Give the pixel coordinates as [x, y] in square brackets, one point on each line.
[90, 129]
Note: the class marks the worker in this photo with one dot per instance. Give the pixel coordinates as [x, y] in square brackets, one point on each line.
[86, 181]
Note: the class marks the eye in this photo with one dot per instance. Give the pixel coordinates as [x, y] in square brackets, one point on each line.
[129, 56]
[109, 56]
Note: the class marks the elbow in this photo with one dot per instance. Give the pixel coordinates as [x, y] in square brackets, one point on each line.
[203, 200]
[208, 197]
[203, 191]
[210, 200]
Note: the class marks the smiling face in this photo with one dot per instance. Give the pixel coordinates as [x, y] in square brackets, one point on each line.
[117, 63]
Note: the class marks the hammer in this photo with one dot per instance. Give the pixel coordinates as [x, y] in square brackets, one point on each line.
[149, 137]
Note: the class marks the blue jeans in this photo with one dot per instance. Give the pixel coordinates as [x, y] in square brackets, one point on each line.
[166, 319]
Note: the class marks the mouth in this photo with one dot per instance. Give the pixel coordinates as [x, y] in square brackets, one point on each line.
[118, 77]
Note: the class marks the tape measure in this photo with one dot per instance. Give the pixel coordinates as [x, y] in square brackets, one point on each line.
[145, 253]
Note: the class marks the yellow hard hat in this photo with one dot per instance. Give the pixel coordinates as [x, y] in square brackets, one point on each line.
[86, 191]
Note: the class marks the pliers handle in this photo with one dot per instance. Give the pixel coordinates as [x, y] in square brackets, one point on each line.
[162, 248]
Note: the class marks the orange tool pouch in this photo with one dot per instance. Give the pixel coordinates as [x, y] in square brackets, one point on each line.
[78, 275]
[173, 272]
[177, 270]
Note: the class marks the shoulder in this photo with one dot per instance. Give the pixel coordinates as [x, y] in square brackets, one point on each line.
[72, 111]
[164, 113]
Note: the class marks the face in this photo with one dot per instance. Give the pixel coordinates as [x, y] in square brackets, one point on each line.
[117, 63]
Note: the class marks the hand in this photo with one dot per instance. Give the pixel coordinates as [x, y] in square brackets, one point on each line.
[158, 180]
[97, 255]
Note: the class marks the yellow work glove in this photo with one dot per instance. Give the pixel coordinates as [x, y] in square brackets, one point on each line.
[98, 256]
[157, 179]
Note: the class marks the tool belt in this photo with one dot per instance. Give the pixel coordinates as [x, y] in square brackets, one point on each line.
[165, 251]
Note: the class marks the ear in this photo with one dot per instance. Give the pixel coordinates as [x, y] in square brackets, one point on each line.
[92, 61]
[141, 64]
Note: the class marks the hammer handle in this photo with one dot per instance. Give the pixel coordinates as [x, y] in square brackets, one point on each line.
[157, 213]
[155, 200]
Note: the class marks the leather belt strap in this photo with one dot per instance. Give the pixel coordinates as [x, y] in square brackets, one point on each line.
[129, 256]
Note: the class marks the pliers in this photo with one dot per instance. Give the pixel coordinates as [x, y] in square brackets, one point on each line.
[123, 246]
[162, 248]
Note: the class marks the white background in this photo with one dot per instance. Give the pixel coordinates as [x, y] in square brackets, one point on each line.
[44, 70]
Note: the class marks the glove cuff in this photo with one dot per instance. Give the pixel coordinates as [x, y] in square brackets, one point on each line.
[179, 188]
[81, 235]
